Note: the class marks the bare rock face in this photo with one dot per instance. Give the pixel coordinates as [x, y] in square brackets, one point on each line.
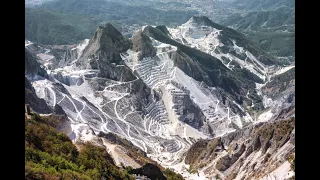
[280, 94]
[105, 46]
[70, 54]
[150, 103]
[103, 53]
[32, 66]
[226, 161]
[38, 105]
[201, 152]
[68, 80]
[189, 66]
[237, 135]
[142, 43]
[281, 84]
[204, 67]
[63, 54]
[262, 147]
[113, 138]
[190, 113]
[55, 56]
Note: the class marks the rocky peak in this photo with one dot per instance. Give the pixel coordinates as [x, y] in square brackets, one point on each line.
[142, 43]
[103, 53]
[108, 36]
[106, 44]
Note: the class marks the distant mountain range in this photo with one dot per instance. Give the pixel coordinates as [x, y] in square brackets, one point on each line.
[270, 24]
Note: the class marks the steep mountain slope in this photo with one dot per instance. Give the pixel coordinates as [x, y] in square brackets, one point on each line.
[36, 104]
[32, 66]
[162, 90]
[279, 95]
[50, 154]
[262, 151]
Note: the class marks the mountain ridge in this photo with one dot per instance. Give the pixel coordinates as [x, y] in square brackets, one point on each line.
[161, 91]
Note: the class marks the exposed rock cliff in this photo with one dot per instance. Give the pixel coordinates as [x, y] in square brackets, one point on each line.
[142, 44]
[32, 66]
[103, 54]
[250, 153]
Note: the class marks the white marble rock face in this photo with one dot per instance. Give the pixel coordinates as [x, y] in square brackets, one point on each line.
[149, 101]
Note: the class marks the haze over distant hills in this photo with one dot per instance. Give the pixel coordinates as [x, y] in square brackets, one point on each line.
[270, 24]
